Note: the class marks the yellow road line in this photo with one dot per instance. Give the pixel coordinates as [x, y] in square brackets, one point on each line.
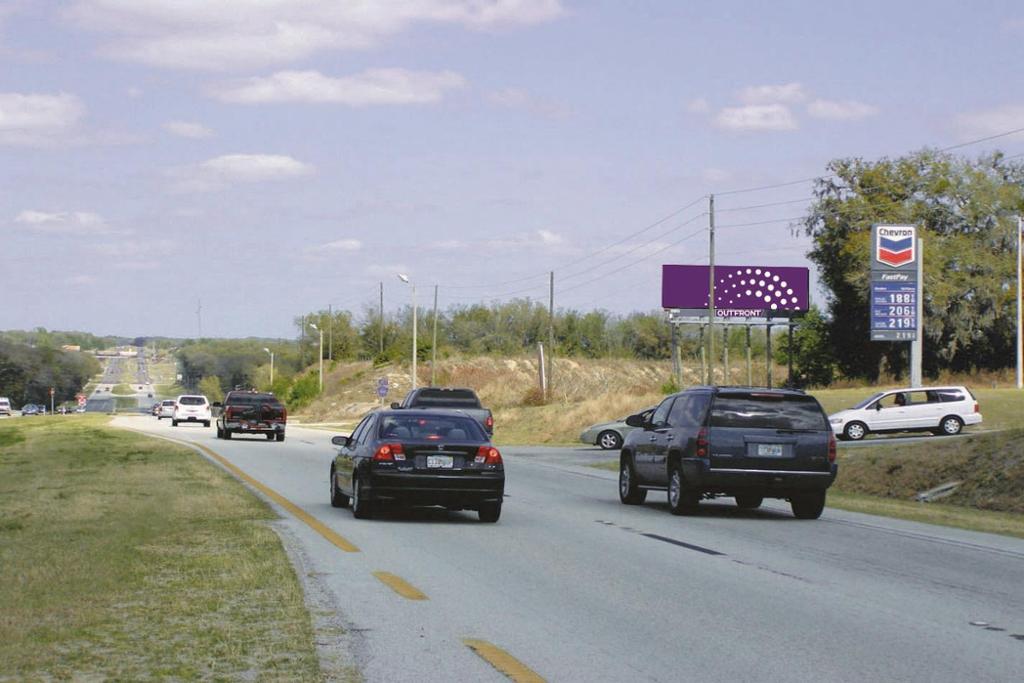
[310, 521]
[503, 661]
[400, 586]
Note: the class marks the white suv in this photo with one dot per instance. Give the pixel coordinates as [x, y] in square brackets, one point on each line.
[191, 408]
[940, 410]
[5, 406]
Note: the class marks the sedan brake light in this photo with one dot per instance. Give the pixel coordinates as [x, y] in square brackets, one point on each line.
[389, 452]
[487, 455]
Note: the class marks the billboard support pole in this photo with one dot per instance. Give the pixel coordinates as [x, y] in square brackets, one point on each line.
[789, 356]
[703, 354]
[711, 289]
[917, 346]
[768, 354]
[750, 366]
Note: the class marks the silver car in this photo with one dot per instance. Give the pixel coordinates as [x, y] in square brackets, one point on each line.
[610, 435]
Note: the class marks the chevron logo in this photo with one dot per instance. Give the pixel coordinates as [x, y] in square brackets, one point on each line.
[895, 246]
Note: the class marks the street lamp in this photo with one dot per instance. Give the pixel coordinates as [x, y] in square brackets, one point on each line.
[271, 366]
[405, 279]
[313, 325]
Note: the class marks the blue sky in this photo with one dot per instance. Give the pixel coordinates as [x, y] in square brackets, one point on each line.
[275, 156]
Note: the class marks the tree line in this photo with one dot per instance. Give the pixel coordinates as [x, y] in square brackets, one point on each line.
[28, 372]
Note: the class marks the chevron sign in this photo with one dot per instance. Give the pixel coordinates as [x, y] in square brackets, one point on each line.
[894, 245]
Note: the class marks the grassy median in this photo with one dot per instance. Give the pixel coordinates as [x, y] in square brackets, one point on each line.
[130, 558]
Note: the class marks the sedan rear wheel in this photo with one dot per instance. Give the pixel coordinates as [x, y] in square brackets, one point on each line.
[361, 504]
[490, 512]
[609, 440]
[338, 499]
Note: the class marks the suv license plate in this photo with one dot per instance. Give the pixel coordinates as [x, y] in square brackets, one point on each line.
[439, 461]
[769, 450]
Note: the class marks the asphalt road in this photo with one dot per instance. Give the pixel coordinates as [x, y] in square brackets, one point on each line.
[577, 587]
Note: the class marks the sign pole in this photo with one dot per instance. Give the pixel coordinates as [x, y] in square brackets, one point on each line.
[917, 346]
[711, 289]
[1020, 342]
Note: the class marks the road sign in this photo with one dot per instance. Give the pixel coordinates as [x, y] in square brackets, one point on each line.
[80, 398]
[382, 387]
[894, 311]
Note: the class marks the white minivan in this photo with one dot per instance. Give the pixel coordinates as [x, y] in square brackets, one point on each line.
[940, 410]
[191, 408]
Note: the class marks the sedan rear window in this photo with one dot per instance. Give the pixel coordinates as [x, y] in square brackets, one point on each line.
[431, 428]
[767, 411]
[168, 403]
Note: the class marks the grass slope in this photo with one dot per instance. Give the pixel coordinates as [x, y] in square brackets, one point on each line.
[129, 558]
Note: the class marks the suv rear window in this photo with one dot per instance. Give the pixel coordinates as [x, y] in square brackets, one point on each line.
[192, 401]
[767, 411]
[448, 397]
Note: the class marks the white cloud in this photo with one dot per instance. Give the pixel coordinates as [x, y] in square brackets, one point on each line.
[715, 175]
[786, 93]
[232, 34]
[38, 120]
[343, 245]
[80, 280]
[186, 129]
[698, 106]
[517, 98]
[981, 124]
[756, 118]
[63, 222]
[846, 110]
[550, 238]
[372, 87]
[224, 170]
[448, 245]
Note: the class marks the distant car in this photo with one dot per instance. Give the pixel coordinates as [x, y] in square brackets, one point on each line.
[155, 409]
[80, 409]
[940, 410]
[449, 398]
[29, 409]
[747, 443]
[5, 406]
[418, 458]
[166, 409]
[191, 408]
[610, 435]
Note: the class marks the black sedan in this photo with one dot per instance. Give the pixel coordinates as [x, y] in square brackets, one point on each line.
[418, 458]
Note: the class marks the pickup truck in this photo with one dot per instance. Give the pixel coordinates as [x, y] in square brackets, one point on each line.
[449, 398]
[252, 412]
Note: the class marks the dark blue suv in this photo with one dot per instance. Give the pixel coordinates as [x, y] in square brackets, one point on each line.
[745, 442]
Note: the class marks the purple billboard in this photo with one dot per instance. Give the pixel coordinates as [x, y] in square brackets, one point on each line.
[740, 291]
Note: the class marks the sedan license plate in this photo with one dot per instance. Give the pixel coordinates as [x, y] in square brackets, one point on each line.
[439, 462]
[769, 450]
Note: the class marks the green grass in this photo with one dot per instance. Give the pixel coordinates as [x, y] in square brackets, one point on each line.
[122, 389]
[129, 558]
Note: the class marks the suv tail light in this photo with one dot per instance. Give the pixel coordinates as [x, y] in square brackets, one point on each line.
[702, 443]
[488, 455]
[489, 422]
[977, 408]
[284, 414]
[389, 452]
[831, 447]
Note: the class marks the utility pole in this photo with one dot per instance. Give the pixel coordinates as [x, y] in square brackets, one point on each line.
[551, 330]
[330, 332]
[433, 344]
[711, 289]
[1020, 342]
[382, 317]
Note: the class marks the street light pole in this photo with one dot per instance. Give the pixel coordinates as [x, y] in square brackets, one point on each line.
[313, 325]
[271, 366]
[405, 279]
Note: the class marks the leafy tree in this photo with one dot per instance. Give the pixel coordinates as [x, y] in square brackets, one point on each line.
[966, 211]
[813, 362]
